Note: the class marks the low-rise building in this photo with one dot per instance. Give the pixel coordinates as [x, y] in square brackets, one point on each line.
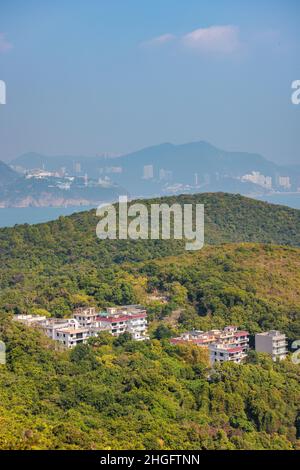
[220, 352]
[86, 316]
[137, 326]
[30, 320]
[133, 323]
[53, 324]
[87, 322]
[272, 342]
[72, 336]
[229, 344]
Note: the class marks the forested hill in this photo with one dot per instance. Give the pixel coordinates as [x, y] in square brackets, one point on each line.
[141, 395]
[228, 218]
[114, 393]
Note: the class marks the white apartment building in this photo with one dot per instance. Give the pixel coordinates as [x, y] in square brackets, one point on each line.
[133, 323]
[115, 324]
[30, 320]
[51, 325]
[148, 172]
[86, 316]
[272, 342]
[87, 322]
[137, 327]
[284, 181]
[72, 336]
[257, 178]
[220, 352]
[229, 344]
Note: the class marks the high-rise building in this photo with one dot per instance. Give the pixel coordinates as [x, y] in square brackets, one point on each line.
[257, 178]
[165, 175]
[77, 167]
[148, 172]
[284, 181]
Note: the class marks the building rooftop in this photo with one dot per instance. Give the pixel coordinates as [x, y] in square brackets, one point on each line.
[226, 348]
[85, 311]
[271, 333]
[72, 330]
[125, 317]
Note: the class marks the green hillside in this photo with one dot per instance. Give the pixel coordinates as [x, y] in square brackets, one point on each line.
[118, 394]
[59, 265]
[151, 395]
[253, 286]
[228, 218]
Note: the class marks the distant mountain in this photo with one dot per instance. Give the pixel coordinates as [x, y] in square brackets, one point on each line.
[198, 156]
[180, 159]
[168, 169]
[171, 169]
[184, 161]
[7, 175]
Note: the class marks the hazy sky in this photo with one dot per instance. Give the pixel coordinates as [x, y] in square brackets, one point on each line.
[87, 77]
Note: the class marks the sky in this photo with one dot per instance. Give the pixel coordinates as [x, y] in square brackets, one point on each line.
[113, 76]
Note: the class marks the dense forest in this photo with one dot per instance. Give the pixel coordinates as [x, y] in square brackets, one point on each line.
[171, 399]
[120, 394]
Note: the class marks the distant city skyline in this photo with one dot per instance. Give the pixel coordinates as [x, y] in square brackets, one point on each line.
[115, 77]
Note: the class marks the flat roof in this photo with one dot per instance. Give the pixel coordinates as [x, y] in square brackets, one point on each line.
[72, 330]
[85, 314]
[271, 333]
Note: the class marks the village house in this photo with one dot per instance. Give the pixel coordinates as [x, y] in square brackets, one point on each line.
[86, 316]
[229, 344]
[72, 336]
[88, 322]
[220, 352]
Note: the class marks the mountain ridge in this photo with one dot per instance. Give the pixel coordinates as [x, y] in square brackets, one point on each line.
[228, 219]
[7, 175]
[169, 168]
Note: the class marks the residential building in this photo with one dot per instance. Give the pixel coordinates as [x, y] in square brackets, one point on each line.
[72, 336]
[229, 344]
[30, 320]
[134, 323]
[148, 172]
[88, 322]
[77, 167]
[165, 175]
[137, 326]
[272, 342]
[51, 325]
[284, 181]
[86, 316]
[257, 178]
[220, 352]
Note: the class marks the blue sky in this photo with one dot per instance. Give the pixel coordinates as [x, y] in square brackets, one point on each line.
[87, 77]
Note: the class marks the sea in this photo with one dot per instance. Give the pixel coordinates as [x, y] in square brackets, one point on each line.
[35, 215]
